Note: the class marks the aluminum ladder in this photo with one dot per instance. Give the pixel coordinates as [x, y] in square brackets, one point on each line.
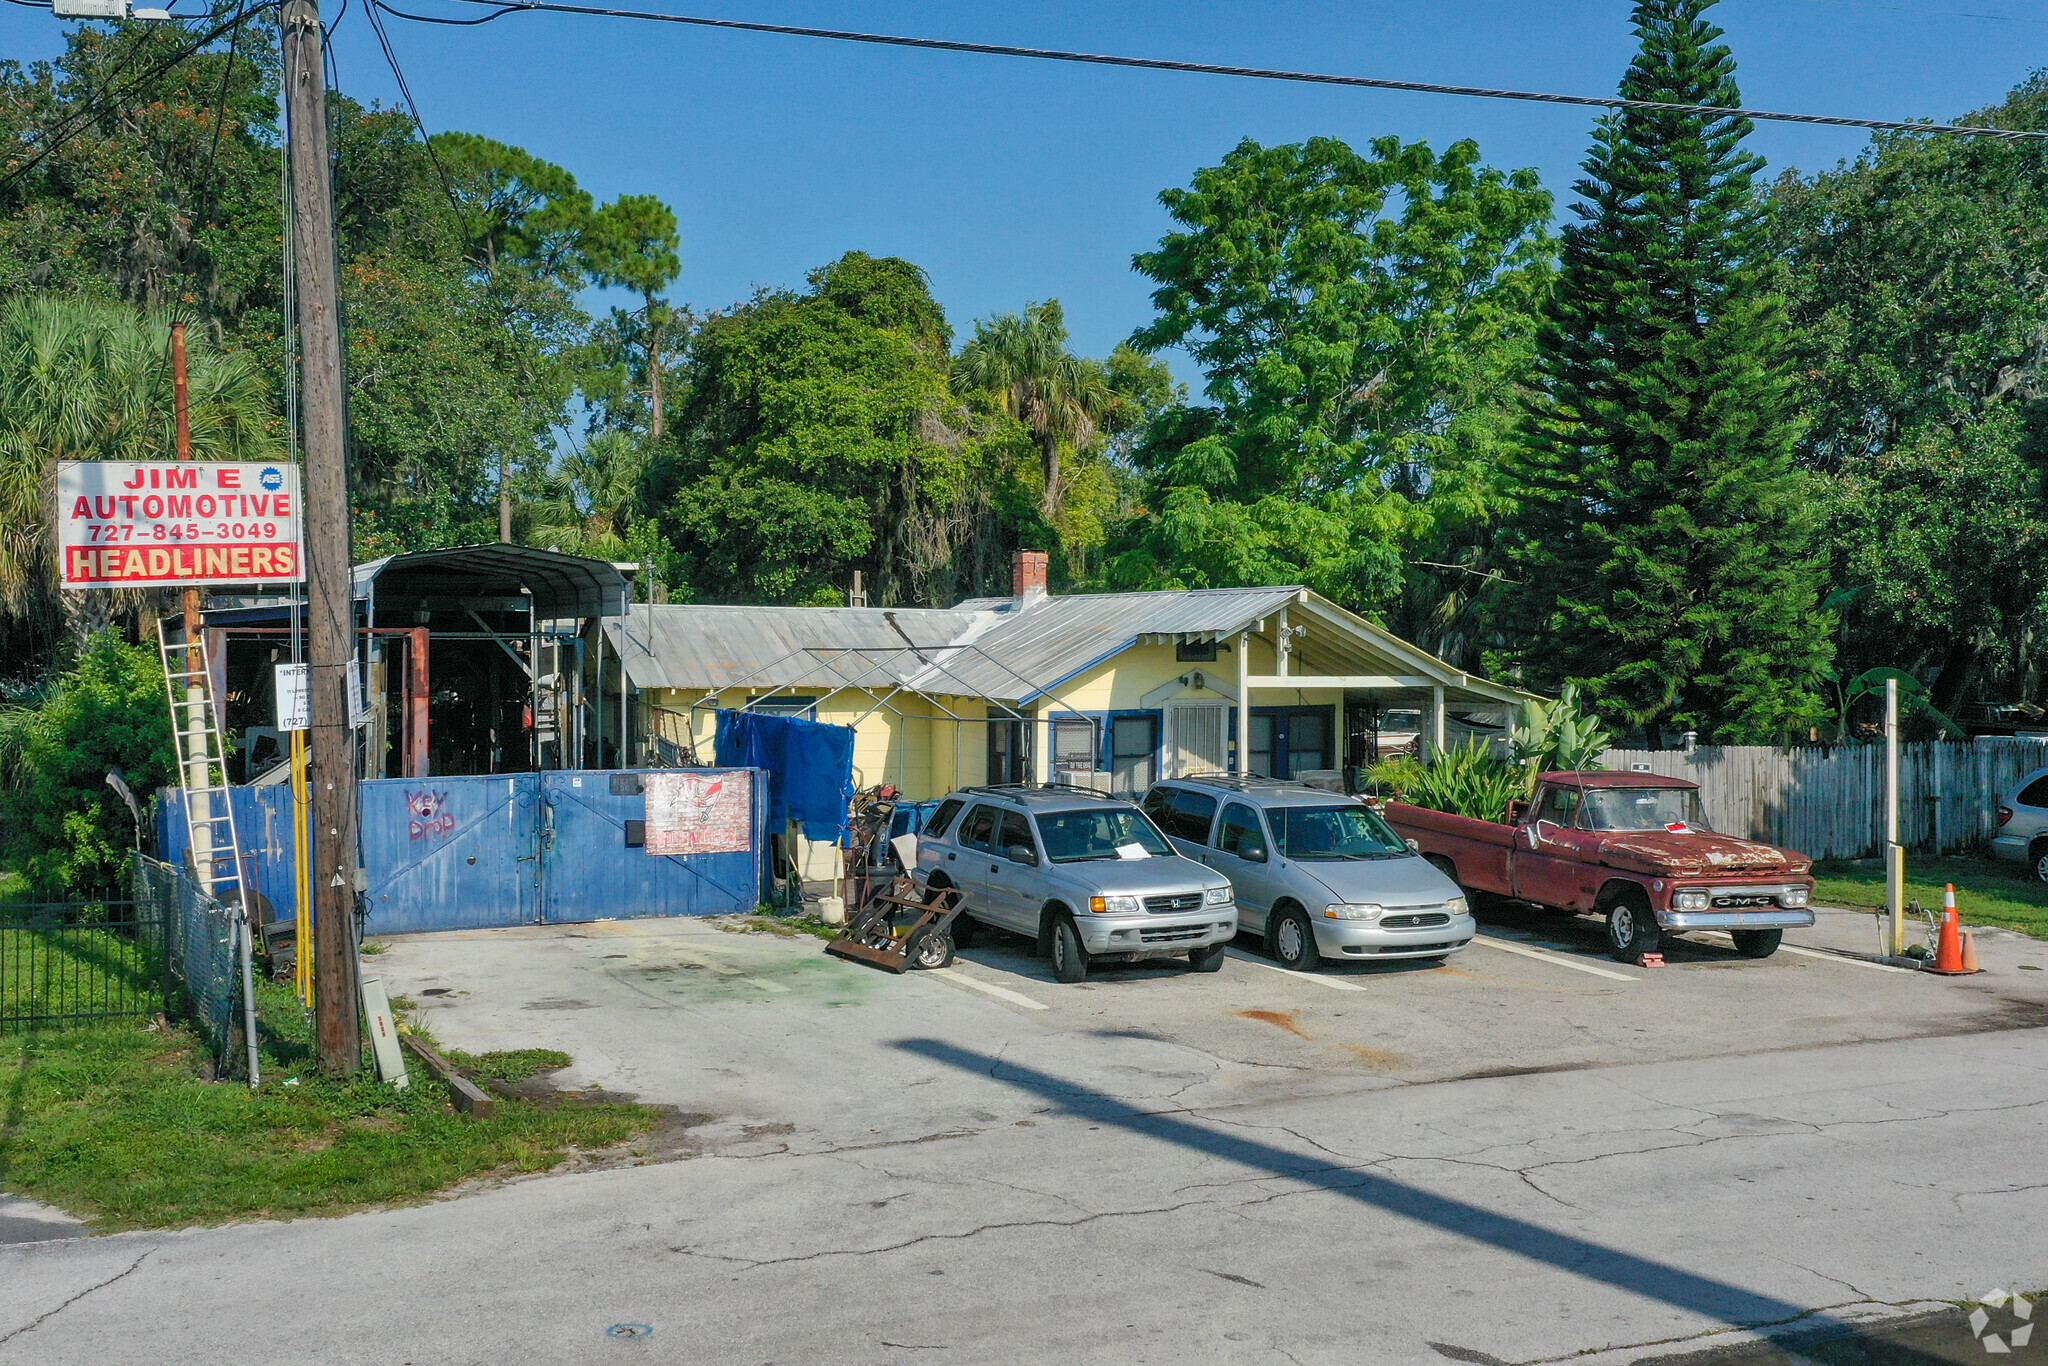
[202, 764]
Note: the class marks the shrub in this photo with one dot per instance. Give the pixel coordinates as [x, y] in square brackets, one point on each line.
[1466, 780]
[64, 826]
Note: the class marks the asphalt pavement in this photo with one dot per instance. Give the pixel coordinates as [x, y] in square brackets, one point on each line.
[1512, 1158]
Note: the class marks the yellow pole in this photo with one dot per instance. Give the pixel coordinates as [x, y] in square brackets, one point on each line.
[301, 881]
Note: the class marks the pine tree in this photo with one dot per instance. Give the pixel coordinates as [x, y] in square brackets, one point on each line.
[1665, 557]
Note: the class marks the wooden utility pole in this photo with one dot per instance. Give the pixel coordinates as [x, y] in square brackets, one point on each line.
[330, 611]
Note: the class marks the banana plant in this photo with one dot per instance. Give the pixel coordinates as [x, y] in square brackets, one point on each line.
[1557, 737]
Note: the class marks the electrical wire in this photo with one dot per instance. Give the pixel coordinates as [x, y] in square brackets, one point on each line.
[1210, 69]
[100, 104]
[412, 106]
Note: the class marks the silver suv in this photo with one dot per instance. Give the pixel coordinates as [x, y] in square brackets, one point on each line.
[1086, 875]
[2023, 823]
[1318, 873]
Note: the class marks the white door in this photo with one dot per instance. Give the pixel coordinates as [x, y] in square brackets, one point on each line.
[1197, 738]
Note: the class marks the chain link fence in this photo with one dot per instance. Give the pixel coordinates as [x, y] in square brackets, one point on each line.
[200, 952]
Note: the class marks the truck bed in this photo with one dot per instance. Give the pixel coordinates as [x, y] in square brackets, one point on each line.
[1477, 850]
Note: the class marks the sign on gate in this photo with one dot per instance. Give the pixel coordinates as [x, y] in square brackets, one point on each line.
[699, 813]
[136, 523]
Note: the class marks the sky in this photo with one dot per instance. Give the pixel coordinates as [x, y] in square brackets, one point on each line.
[1012, 181]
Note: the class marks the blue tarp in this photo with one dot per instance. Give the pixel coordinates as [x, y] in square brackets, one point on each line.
[810, 767]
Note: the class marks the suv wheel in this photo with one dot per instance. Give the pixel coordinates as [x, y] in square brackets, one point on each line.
[1069, 958]
[1208, 959]
[1632, 928]
[2041, 861]
[1294, 940]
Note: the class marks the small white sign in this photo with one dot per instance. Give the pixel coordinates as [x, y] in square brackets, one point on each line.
[294, 697]
[1131, 851]
[358, 711]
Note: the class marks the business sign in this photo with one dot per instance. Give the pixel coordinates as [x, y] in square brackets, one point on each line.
[142, 523]
[699, 813]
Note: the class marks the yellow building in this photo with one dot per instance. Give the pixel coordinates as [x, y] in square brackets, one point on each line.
[1114, 690]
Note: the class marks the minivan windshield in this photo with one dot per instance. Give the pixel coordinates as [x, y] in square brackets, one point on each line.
[1641, 808]
[1077, 836]
[1334, 832]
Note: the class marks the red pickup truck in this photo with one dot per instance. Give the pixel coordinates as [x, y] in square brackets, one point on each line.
[1630, 846]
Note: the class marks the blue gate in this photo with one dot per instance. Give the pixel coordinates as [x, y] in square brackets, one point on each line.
[451, 853]
[486, 851]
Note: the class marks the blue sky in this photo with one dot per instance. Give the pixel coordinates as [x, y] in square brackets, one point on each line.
[1012, 181]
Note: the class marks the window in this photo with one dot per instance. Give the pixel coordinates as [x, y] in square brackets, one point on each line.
[1155, 805]
[943, 817]
[1097, 833]
[1073, 745]
[2034, 793]
[782, 704]
[1191, 815]
[1195, 652]
[1240, 834]
[1560, 804]
[980, 828]
[1262, 746]
[1335, 833]
[1016, 843]
[1642, 808]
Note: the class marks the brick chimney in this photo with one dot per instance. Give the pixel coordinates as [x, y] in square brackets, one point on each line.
[1028, 569]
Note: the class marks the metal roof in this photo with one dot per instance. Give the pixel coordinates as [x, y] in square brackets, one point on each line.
[998, 648]
[1049, 640]
[722, 647]
[561, 585]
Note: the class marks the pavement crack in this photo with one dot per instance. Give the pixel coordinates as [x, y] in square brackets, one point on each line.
[44, 1318]
[974, 1232]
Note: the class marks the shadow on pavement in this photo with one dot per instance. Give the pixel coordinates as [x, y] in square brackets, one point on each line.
[1675, 1286]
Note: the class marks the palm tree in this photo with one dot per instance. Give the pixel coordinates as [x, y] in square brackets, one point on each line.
[1061, 398]
[591, 498]
[83, 378]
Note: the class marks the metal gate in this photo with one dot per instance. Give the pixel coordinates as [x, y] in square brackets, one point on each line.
[487, 851]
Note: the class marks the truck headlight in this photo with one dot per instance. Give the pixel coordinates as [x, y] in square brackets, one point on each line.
[1113, 905]
[1688, 901]
[1340, 911]
[1795, 896]
[1457, 905]
[1217, 896]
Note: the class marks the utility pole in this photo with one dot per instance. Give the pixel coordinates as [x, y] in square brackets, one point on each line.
[330, 609]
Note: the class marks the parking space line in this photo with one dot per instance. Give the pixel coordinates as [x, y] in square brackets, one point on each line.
[1540, 956]
[1333, 983]
[1832, 957]
[1015, 998]
[766, 985]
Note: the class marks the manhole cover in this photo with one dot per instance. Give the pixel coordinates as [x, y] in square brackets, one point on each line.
[629, 1330]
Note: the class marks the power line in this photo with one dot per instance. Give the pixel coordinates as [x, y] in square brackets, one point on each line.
[1209, 69]
[78, 122]
[412, 106]
[1930, 13]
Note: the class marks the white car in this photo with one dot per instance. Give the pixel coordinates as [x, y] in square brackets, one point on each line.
[2023, 823]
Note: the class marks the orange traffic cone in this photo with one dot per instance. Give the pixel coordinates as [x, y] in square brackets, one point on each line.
[1948, 953]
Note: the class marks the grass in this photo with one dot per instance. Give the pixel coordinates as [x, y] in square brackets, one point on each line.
[1987, 893]
[113, 1123]
[782, 926]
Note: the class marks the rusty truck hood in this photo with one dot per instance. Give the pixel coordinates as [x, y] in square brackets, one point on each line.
[1694, 853]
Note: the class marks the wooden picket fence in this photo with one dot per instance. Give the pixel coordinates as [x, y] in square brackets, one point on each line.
[1829, 802]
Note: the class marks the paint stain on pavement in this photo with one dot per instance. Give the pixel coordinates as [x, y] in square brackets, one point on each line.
[1379, 1059]
[1279, 1019]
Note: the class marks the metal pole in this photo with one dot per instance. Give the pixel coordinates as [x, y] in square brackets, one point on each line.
[1894, 856]
[1244, 703]
[338, 1027]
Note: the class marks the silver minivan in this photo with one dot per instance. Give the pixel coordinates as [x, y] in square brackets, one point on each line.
[2023, 823]
[1319, 874]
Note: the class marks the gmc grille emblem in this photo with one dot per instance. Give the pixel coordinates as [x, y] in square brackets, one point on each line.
[1743, 900]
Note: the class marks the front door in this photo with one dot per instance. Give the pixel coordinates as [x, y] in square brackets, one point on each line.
[1011, 870]
[1134, 753]
[1546, 863]
[1197, 738]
